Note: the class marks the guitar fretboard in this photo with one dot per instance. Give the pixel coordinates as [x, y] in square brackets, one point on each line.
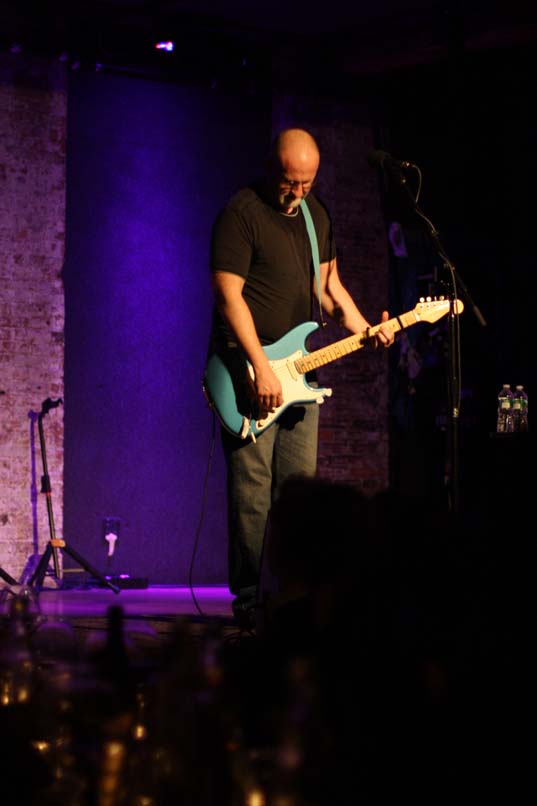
[350, 344]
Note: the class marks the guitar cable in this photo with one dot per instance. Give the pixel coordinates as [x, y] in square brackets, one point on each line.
[201, 519]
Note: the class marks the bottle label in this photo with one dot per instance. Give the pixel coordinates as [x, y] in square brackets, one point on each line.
[505, 403]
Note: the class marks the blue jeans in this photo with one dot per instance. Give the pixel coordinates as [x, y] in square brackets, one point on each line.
[255, 473]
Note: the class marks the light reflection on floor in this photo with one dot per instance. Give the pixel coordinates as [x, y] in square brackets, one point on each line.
[154, 601]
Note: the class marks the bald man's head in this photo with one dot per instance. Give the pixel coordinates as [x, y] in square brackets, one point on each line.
[294, 149]
[292, 167]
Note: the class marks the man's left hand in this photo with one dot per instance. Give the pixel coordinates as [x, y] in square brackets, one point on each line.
[385, 336]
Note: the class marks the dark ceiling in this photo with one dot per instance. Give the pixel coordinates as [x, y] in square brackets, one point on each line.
[360, 38]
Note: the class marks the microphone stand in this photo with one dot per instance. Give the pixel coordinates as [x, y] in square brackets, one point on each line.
[55, 544]
[454, 354]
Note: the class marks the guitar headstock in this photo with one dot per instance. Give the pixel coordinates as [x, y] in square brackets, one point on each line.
[430, 310]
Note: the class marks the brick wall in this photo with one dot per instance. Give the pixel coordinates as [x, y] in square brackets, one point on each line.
[33, 108]
[354, 445]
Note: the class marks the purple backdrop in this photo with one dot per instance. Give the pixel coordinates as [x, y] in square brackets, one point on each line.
[149, 164]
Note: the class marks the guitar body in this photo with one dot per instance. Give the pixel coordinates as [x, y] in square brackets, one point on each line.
[224, 386]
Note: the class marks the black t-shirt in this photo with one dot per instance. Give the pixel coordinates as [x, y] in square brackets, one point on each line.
[272, 252]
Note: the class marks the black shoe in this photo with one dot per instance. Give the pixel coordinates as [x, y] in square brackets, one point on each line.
[245, 614]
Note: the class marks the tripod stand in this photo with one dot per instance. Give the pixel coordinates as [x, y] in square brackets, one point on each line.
[7, 577]
[55, 544]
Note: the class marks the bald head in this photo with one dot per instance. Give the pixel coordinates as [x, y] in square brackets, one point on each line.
[296, 148]
[292, 167]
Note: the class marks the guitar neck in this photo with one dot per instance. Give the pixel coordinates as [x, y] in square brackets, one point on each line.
[350, 344]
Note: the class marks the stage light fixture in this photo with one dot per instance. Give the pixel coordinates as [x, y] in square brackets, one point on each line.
[167, 46]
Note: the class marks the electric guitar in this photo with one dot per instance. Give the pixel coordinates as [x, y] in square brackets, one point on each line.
[225, 388]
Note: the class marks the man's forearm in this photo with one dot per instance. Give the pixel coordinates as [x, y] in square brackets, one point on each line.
[346, 313]
[237, 315]
[232, 306]
[337, 302]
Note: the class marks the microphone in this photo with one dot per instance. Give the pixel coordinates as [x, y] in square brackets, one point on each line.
[381, 159]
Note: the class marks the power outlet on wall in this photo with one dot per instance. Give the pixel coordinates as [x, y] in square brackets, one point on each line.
[110, 532]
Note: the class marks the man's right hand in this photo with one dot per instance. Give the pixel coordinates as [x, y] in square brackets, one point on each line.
[266, 389]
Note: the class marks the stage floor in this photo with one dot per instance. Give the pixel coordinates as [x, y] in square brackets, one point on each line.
[159, 606]
[155, 601]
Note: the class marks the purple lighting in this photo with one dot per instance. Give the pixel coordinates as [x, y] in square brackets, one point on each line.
[168, 46]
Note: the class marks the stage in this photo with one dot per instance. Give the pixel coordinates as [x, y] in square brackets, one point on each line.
[155, 601]
[155, 610]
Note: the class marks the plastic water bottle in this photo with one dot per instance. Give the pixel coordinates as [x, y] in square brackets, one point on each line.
[520, 410]
[504, 423]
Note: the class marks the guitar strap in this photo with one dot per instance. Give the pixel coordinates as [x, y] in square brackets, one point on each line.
[314, 251]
